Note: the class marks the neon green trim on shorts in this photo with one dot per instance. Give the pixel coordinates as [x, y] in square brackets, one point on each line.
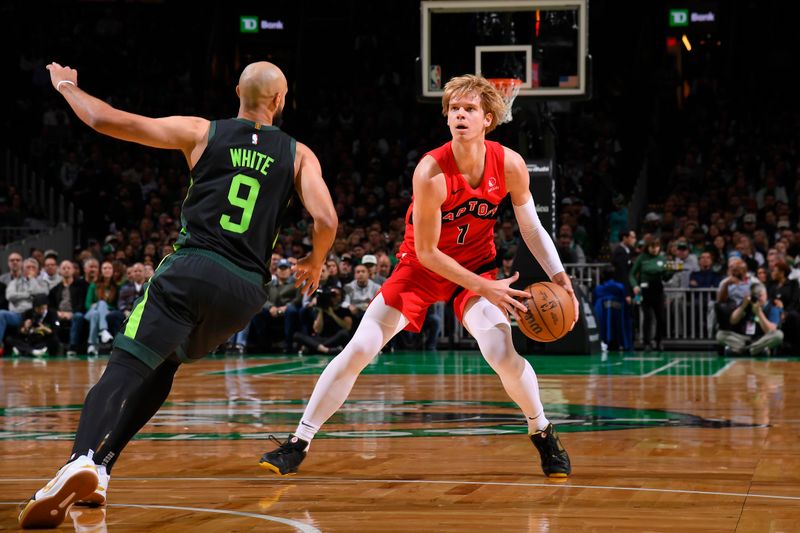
[136, 316]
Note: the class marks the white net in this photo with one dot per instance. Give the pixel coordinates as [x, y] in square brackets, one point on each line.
[509, 88]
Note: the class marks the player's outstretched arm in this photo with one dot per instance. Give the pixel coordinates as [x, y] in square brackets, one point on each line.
[317, 200]
[177, 133]
[530, 227]
[430, 191]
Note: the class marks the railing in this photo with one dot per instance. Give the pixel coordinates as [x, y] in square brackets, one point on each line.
[690, 313]
[585, 274]
[690, 317]
[40, 195]
[56, 211]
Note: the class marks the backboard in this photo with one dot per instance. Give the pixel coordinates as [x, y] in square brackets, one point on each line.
[542, 42]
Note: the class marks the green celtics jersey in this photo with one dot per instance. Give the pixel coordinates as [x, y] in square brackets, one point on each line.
[239, 191]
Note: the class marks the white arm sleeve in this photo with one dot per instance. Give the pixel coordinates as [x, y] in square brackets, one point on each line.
[536, 238]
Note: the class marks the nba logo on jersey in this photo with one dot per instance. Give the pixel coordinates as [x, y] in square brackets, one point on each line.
[492, 184]
[255, 138]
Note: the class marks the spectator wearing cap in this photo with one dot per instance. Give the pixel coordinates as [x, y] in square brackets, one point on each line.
[49, 273]
[748, 225]
[68, 301]
[20, 293]
[359, 292]
[506, 269]
[371, 262]
[271, 325]
[346, 269]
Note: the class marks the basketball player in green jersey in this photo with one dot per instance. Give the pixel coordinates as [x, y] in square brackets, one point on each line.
[244, 172]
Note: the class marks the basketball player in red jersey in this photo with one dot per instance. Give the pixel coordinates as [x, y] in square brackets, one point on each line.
[448, 252]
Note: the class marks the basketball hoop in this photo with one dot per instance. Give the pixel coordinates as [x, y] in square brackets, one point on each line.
[509, 88]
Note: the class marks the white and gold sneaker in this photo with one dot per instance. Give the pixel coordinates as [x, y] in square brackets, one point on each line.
[98, 497]
[47, 509]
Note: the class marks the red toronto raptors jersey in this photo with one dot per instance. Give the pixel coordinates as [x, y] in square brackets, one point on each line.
[468, 215]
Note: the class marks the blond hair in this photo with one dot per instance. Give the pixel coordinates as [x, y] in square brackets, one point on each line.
[491, 99]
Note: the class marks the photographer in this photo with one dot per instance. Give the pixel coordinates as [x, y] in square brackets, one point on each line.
[332, 324]
[754, 325]
[733, 290]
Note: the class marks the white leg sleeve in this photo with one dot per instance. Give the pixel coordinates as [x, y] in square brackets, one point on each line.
[491, 329]
[536, 238]
[379, 324]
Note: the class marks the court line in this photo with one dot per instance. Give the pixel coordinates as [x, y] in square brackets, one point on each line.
[299, 526]
[725, 368]
[664, 367]
[333, 480]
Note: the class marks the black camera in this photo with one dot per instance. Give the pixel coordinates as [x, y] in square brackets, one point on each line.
[324, 298]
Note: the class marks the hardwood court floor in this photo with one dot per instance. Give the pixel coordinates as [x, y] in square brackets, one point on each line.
[659, 442]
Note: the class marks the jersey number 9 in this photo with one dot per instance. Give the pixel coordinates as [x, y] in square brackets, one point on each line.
[246, 204]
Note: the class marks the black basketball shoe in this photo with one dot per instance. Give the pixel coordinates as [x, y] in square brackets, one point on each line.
[285, 459]
[555, 461]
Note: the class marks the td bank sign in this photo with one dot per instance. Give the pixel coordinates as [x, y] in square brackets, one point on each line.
[250, 24]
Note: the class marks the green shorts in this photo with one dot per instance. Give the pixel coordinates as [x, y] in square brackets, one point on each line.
[194, 302]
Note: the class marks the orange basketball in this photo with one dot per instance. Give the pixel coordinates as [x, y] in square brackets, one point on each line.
[550, 313]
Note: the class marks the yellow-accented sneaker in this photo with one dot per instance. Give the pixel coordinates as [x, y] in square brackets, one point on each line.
[75, 480]
[555, 461]
[98, 497]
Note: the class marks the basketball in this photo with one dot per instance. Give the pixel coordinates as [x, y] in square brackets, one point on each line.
[550, 313]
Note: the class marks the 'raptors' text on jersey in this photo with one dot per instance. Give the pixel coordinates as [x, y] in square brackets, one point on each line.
[468, 214]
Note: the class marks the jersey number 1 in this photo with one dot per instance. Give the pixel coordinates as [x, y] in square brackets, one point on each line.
[462, 233]
[246, 204]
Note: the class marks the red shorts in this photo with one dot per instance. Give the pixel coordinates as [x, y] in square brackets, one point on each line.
[412, 288]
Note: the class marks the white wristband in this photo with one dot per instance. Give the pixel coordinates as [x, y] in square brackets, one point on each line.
[58, 85]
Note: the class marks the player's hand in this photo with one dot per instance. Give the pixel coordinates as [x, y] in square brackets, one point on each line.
[500, 293]
[59, 73]
[306, 274]
[563, 279]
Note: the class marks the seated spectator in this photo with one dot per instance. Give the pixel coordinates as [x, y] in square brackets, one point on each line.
[732, 290]
[50, 271]
[68, 300]
[754, 325]
[384, 269]
[705, 277]
[270, 325]
[568, 250]
[784, 293]
[371, 262]
[359, 293]
[14, 269]
[506, 269]
[130, 291]
[332, 324]
[37, 336]
[346, 269]
[20, 293]
[101, 298]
